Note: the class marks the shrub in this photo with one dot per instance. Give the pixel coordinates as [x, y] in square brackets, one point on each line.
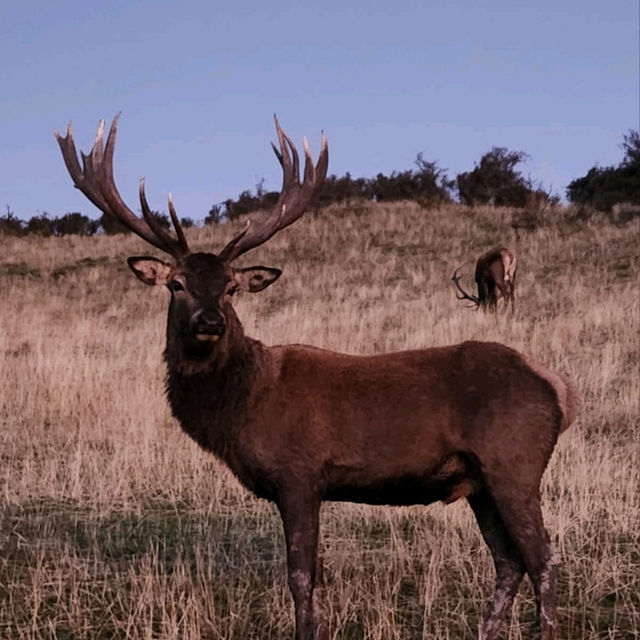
[111, 225]
[604, 187]
[495, 180]
[74, 223]
[215, 215]
[344, 189]
[40, 225]
[10, 225]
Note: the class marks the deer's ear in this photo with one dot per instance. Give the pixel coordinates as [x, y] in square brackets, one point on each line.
[150, 270]
[255, 278]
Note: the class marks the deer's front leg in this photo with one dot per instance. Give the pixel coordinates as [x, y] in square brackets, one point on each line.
[300, 516]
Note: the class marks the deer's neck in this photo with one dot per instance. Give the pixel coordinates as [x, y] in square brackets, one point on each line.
[211, 400]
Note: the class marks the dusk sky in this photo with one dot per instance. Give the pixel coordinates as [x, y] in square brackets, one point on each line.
[198, 83]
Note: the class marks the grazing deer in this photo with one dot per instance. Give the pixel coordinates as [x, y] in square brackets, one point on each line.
[495, 278]
[299, 425]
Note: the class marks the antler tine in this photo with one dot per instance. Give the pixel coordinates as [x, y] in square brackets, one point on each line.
[309, 169]
[162, 238]
[102, 175]
[70, 157]
[146, 212]
[95, 179]
[176, 225]
[294, 197]
[178, 248]
[314, 175]
[234, 241]
[465, 295]
[290, 168]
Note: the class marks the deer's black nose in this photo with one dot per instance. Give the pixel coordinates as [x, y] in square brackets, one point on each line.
[208, 322]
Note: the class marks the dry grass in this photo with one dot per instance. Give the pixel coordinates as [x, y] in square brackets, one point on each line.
[114, 525]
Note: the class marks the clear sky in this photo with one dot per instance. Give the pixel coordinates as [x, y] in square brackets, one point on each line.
[198, 81]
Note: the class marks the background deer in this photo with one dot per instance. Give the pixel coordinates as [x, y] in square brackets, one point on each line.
[299, 425]
[495, 278]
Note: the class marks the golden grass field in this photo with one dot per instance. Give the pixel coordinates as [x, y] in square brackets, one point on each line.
[113, 524]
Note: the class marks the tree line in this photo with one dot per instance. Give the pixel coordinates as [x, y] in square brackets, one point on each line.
[495, 179]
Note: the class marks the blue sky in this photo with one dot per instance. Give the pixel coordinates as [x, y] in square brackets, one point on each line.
[197, 83]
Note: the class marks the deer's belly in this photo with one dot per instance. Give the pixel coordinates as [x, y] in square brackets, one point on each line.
[451, 479]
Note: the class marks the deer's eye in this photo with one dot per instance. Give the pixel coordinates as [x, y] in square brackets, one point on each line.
[232, 290]
[176, 285]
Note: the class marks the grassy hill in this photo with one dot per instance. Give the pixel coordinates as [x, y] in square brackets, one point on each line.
[113, 524]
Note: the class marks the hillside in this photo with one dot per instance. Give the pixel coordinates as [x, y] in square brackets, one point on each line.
[113, 524]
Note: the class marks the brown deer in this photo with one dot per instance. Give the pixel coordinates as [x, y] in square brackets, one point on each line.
[495, 278]
[299, 425]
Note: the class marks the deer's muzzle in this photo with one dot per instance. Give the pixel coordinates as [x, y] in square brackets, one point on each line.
[208, 325]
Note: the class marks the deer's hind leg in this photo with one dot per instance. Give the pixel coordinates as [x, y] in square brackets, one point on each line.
[512, 292]
[520, 511]
[507, 560]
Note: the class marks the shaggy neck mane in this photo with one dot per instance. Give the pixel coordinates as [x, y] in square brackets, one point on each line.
[210, 397]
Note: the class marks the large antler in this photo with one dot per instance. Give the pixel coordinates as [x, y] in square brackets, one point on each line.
[95, 180]
[465, 296]
[294, 197]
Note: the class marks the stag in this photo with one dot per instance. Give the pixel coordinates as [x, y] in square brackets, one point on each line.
[298, 425]
[495, 279]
